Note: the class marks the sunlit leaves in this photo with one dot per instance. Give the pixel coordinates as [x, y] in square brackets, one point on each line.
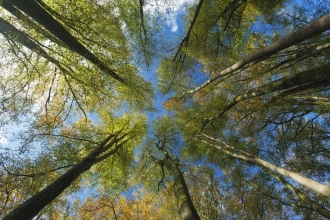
[72, 82]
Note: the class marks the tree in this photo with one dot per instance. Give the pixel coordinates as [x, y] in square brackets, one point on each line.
[165, 136]
[39, 14]
[247, 157]
[256, 160]
[106, 148]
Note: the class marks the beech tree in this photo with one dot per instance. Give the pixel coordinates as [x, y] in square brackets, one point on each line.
[36, 203]
[125, 134]
[165, 137]
[245, 156]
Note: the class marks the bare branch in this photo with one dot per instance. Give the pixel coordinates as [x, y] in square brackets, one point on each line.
[185, 40]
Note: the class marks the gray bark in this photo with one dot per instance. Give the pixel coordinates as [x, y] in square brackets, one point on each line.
[309, 183]
[186, 207]
[315, 206]
[36, 203]
[40, 15]
[313, 77]
[273, 169]
[311, 30]
[11, 32]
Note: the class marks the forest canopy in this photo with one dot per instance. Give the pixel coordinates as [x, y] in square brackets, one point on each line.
[164, 109]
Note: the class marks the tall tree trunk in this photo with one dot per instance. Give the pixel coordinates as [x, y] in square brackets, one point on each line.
[311, 30]
[39, 14]
[315, 206]
[36, 203]
[186, 207]
[309, 183]
[314, 77]
[12, 33]
[272, 169]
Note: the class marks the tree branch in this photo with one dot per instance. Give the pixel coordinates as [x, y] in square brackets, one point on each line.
[311, 30]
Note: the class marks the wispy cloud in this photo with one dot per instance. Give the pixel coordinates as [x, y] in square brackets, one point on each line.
[171, 11]
[3, 139]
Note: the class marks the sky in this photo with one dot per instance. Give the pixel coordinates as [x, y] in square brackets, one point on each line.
[174, 10]
[3, 139]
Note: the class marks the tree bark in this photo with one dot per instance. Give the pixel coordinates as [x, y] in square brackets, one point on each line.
[35, 11]
[309, 183]
[313, 77]
[273, 169]
[32, 25]
[36, 203]
[11, 32]
[311, 30]
[186, 207]
[315, 206]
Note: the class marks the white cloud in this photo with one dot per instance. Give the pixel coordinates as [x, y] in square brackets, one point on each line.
[171, 10]
[3, 139]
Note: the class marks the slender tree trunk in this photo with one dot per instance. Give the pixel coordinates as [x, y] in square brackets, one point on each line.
[315, 206]
[311, 30]
[272, 169]
[11, 32]
[39, 14]
[32, 25]
[36, 203]
[309, 183]
[314, 77]
[186, 207]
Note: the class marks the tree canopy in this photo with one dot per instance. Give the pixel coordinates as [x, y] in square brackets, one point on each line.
[208, 109]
